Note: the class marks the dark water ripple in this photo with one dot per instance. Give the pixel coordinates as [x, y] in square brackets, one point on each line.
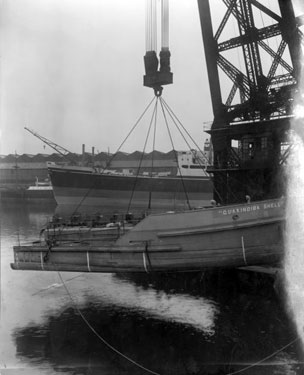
[203, 323]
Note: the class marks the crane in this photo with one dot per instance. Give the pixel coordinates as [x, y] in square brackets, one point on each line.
[61, 150]
[250, 131]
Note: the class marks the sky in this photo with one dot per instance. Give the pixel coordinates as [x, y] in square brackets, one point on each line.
[72, 70]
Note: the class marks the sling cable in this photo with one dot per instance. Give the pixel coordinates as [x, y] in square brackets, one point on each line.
[158, 71]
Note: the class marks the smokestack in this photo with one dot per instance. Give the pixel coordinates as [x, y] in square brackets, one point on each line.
[93, 155]
[83, 149]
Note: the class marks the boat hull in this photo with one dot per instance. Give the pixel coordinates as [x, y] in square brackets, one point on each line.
[236, 236]
[74, 187]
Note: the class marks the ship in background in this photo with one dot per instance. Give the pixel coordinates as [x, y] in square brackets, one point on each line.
[177, 182]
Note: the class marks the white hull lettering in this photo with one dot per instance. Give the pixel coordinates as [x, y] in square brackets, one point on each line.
[238, 210]
[272, 205]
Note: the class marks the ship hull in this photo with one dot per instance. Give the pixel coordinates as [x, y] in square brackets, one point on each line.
[232, 236]
[74, 187]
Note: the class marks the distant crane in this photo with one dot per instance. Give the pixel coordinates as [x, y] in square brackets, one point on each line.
[61, 150]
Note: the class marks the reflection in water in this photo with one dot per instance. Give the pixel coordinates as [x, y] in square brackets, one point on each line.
[23, 221]
[198, 312]
[204, 323]
[152, 327]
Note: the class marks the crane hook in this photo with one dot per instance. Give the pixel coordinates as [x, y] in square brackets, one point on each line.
[158, 90]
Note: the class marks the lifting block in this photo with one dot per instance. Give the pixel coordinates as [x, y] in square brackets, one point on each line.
[158, 79]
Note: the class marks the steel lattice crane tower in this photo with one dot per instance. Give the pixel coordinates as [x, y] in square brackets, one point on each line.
[250, 128]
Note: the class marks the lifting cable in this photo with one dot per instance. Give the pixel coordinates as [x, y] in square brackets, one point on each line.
[142, 154]
[175, 154]
[165, 25]
[152, 161]
[184, 138]
[265, 358]
[175, 121]
[98, 335]
[105, 342]
[174, 117]
[172, 114]
[114, 155]
[165, 108]
[151, 26]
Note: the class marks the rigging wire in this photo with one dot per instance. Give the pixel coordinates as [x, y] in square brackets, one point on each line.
[148, 26]
[99, 336]
[265, 358]
[153, 26]
[165, 24]
[105, 342]
[195, 143]
[56, 285]
[114, 155]
[152, 161]
[198, 159]
[142, 155]
[187, 143]
[173, 116]
[175, 154]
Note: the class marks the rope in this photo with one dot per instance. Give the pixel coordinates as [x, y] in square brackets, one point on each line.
[170, 136]
[174, 117]
[177, 127]
[148, 26]
[55, 285]
[146, 369]
[99, 336]
[165, 24]
[152, 161]
[153, 26]
[172, 114]
[142, 155]
[114, 155]
[264, 359]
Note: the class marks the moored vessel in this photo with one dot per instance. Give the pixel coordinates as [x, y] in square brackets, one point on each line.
[41, 190]
[76, 186]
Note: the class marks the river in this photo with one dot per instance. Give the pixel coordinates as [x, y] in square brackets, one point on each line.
[223, 322]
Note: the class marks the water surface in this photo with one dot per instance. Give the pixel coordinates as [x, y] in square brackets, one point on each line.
[203, 323]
